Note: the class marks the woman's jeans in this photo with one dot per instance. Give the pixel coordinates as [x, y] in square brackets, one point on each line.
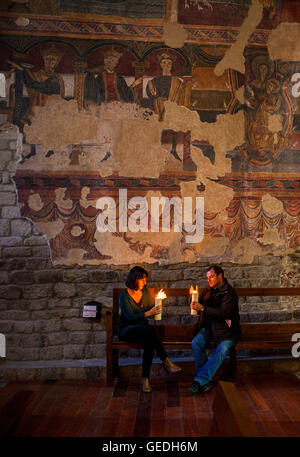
[146, 335]
[206, 368]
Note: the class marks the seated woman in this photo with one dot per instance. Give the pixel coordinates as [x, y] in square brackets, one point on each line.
[136, 305]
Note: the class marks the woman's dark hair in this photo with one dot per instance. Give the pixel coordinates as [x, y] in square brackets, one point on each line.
[218, 270]
[134, 274]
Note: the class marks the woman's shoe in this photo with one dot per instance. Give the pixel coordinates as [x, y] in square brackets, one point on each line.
[146, 386]
[170, 366]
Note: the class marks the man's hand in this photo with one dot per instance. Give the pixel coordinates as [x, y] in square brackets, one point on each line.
[197, 306]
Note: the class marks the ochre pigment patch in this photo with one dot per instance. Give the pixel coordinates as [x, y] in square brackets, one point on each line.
[245, 250]
[224, 134]
[51, 229]
[59, 123]
[283, 42]
[271, 236]
[138, 150]
[275, 123]
[234, 56]
[174, 35]
[271, 204]
[209, 247]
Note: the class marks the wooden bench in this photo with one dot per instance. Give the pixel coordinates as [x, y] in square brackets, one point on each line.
[266, 335]
[231, 413]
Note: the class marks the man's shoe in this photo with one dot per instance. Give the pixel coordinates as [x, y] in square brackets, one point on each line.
[207, 387]
[195, 388]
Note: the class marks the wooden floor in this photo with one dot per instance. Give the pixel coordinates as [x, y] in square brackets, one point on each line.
[90, 409]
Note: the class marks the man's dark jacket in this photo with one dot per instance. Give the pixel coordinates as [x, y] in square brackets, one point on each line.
[220, 304]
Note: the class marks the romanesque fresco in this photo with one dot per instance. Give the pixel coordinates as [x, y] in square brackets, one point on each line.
[130, 119]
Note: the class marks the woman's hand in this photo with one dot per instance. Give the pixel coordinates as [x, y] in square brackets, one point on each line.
[155, 310]
[197, 306]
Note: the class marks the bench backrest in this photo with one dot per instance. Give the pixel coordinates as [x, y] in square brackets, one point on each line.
[255, 331]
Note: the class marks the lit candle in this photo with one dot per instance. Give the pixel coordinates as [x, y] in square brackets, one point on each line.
[158, 302]
[195, 297]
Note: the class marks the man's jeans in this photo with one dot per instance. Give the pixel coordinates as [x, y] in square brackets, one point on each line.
[206, 368]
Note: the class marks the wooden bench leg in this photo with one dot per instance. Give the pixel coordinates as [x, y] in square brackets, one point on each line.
[112, 366]
[233, 364]
[109, 369]
[115, 362]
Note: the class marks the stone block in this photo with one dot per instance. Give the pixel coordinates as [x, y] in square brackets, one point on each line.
[269, 260]
[21, 277]
[282, 315]
[77, 324]
[3, 165]
[244, 317]
[166, 275]
[11, 241]
[17, 251]
[56, 338]
[12, 144]
[6, 179]
[267, 282]
[6, 326]
[38, 291]
[75, 276]
[193, 274]
[41, 251]
[15, 315]
[183, 302]
[4, 277]
[4, 228]
[10, 212]
[80, 337]
[8, 198]
[7, 188]
[67, 313]
[99, 337]
[103, 276]
[21, 227]
[54, 303]
[258, 316]
[18, 353]
[36, 304]
[94, 351]
[4, 143]
[31, 341]
[64, 290]
[10, 292]
[90, 291]
[48, 276]
[73, 351]
[12, 264]
[37, 240]
[38, 264]
[47, 325]
[11, 166]
[4, 304]
[24, 327]
[296, 314]
[52, 353]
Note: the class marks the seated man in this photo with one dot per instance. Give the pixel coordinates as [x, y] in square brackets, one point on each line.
[219, 321]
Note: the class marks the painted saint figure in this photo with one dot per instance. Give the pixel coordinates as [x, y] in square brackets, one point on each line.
[165, 87]
[40, 85]
[107, 86]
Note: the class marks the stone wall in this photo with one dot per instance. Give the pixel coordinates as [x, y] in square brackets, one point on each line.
[41, 304]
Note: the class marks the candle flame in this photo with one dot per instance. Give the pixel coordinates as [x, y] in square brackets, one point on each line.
[193, 291]
[161, 294]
